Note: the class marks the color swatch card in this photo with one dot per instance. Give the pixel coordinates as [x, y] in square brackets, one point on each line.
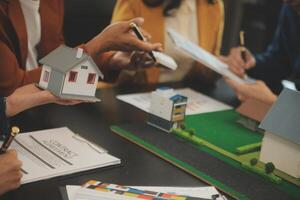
[98, 190]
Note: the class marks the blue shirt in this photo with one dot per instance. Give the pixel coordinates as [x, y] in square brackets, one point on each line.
[282, 58]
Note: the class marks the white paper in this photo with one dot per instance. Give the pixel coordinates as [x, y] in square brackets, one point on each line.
[165, 60]
[197, 102]
[200, 192]
[201, 55]
[55, 152]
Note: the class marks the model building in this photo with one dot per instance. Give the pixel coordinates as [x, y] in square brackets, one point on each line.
[167, 109]
[70, 74]
[281, 143]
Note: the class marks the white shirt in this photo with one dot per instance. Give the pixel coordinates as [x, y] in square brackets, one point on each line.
[184, 21]
[32, 17]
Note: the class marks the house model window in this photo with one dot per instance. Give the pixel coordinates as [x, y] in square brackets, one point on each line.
[91, 78]
[46, 76]
[73, 76]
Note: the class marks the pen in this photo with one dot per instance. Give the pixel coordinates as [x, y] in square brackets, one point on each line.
[140, 36]
[242, 43]
[14, 131]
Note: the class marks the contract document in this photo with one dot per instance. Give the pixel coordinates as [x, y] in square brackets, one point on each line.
[55, 152]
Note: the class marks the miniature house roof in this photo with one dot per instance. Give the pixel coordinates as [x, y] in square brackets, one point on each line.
[284, 117]
[178, 98]
[254, 109]
[170, 93]
[64, 58]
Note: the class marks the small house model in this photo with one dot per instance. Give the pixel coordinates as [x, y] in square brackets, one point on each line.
[252, 113]
[70, 74]
[281, 142]
[167, 109]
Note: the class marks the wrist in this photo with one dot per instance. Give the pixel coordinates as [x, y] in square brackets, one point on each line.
[8, 106]
[95, 46]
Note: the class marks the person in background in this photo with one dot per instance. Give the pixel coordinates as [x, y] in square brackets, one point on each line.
[280, 61]
[30, 29]
[201, 21]
[21, 99]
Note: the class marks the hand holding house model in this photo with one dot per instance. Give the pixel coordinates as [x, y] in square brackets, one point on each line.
[70, 74]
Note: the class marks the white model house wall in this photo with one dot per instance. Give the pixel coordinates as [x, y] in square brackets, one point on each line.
[285, 155]
[161, 106]
[81, 85]
[45, 77]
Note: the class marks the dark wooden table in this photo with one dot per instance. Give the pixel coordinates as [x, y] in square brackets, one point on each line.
[93, 121]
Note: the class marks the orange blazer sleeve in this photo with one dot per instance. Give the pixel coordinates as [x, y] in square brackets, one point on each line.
[11, 74]
[124, 10]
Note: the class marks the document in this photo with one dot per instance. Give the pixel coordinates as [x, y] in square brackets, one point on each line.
[55, 152]
[197, 102]
[201, 55]
[73, 192]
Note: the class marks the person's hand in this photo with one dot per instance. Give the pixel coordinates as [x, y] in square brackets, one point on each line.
[10, 171]
[119, 37]
[258, 90]
[236, 63]
[295, 4]
[30, 96]
[131, 61]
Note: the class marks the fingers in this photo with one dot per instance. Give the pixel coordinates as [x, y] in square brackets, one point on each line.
[236, 62]
[233, 66]
[139, 45]
[138, 21]
[236, 54]
[141, 60]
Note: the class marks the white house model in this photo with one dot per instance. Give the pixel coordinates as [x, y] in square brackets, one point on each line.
[167, 109]
[70, 74]
[281, 142]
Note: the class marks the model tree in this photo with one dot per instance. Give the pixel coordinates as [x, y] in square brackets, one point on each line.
[182, 126]
[269, 168]
[192, 132]
[253, 161]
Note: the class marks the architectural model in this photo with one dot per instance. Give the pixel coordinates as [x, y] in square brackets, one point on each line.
[281, 143]
[69, 73]
[167, 109]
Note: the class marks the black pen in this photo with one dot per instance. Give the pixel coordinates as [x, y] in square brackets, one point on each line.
[140, 36]
[14, 132]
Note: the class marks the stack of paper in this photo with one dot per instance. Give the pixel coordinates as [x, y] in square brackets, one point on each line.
[55, 152]
[197, 102]
[98, 190]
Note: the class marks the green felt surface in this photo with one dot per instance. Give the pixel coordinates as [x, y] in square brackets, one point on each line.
[222, 130]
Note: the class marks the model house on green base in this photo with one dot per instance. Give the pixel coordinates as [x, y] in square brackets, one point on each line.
[167, 109]
[281, 142]
[69, 73]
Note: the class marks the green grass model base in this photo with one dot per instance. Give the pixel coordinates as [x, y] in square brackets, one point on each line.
[245, 160]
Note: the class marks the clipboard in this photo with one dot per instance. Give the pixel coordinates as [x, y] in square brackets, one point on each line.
[199, 54]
